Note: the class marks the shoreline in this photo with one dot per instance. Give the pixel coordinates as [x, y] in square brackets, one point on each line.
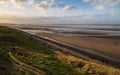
[105, 47]
[103, 35]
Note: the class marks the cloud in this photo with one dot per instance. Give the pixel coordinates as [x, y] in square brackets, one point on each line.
[68, 7]
[110, 3]
[45, 4]
[88, 1]
[100, 6]
[107, 4]
[18, 3]
[14, 3]
[103, 4]
[3, 1]
[59, 20]
[32, 2]
[55, 8]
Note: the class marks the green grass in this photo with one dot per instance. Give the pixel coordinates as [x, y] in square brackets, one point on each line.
[38, 56]
[8, 67]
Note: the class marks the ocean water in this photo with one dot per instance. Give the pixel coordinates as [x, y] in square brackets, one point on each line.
[59, 28]
[109, 29]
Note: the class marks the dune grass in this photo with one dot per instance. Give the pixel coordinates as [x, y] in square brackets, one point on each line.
[87, 67]
[38, 56]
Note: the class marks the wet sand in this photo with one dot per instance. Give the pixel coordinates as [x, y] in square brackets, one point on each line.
[108, 37]
[95, 34]
[30, 28]
[108, 29]
[85, 33]
[108, 48]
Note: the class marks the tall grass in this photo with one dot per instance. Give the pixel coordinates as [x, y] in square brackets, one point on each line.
[87, 66]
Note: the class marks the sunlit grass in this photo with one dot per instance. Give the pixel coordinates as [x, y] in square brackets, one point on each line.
[87, 66]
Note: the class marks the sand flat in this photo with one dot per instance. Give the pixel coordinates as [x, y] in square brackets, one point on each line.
[85, 33]
[107, 48]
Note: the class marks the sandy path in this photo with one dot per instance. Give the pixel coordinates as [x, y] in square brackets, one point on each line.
[28, 67]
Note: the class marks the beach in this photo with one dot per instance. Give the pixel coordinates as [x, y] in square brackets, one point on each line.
[103, 46]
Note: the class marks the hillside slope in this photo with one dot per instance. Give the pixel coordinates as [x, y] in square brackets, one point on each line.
[31, 53]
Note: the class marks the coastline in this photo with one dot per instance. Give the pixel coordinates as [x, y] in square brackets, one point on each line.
[107, 48]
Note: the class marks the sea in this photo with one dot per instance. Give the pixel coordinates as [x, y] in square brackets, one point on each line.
[67, 29]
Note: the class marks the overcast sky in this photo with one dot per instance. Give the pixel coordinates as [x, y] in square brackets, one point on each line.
[60, 11]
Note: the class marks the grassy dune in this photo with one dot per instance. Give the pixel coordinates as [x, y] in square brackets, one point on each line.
[40, 57]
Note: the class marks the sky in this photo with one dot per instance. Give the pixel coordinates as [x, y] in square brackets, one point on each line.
[60, 11]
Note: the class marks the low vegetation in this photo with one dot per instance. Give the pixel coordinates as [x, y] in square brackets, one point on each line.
[40, 57]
